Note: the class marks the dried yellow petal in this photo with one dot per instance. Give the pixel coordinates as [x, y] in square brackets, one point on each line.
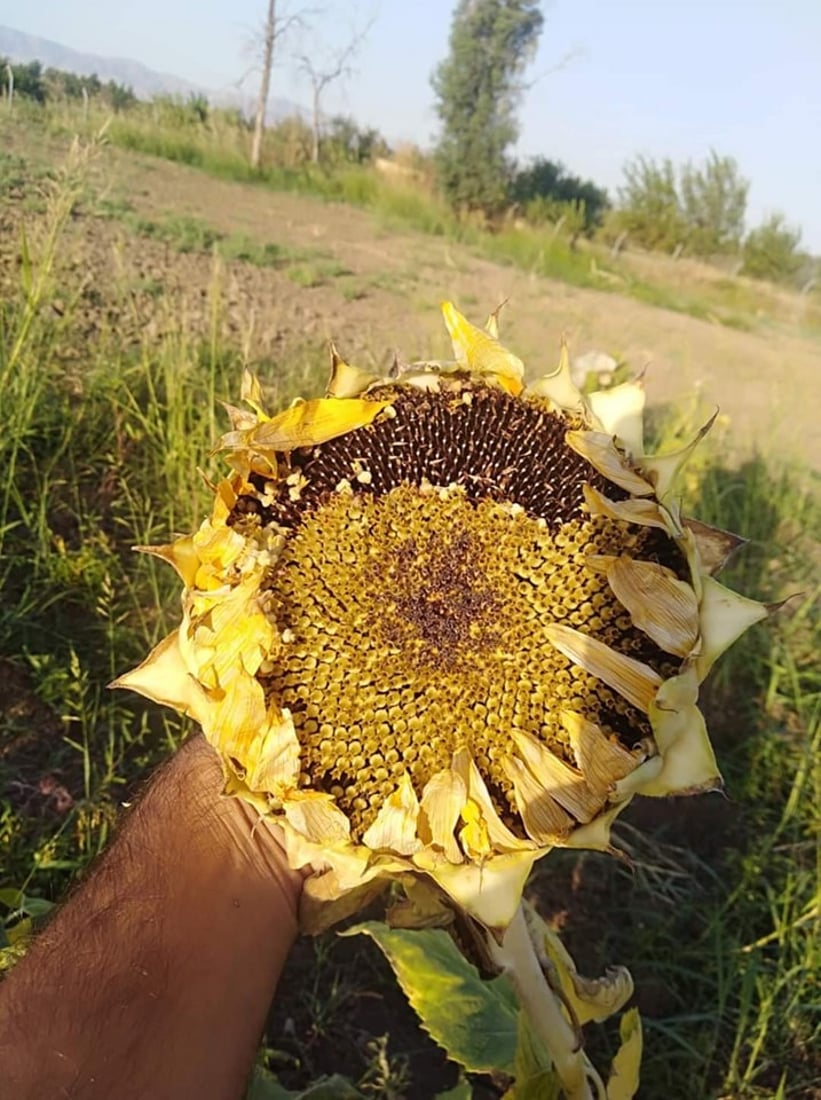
[661, 605]
[633, 679]
[477, 351]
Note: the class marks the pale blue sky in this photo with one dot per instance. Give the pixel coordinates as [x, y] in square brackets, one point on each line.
[662, 77]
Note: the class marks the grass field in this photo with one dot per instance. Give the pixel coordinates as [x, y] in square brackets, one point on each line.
[132, 293]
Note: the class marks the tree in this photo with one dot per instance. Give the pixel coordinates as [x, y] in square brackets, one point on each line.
[714, 203]
[649, 208]
[268, 39]
[478, 87]
[771, 251]
[324, 68]
[544, 182]
[346, 142]
[26, 80]
[119, 96]
[275, 27]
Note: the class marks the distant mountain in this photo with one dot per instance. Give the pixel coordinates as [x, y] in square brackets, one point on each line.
[145, 82]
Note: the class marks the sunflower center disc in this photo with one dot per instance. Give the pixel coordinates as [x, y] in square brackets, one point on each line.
[415, 625]
[425, 557]
[443, 606]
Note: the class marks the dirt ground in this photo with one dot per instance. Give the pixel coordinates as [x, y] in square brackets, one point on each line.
[762, 381]
[384, 290]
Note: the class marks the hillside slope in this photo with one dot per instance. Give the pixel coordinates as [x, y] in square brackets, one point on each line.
[344, 274]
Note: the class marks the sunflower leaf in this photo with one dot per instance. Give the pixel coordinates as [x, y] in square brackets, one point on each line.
[264, 1086]
[535, 1077]
[474, 1021]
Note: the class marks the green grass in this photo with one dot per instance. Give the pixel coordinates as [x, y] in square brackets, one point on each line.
[716, 918]
[184, 233]
[222, 151]
[719, 919]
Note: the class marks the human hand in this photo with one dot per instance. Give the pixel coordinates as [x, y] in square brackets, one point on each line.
[255, 840]
[165, 958]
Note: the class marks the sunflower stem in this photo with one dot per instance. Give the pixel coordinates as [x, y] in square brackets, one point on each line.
[517, 956]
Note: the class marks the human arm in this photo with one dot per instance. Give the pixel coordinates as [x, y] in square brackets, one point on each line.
[154, 979]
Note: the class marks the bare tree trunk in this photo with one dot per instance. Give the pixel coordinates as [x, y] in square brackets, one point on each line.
[315, 145]
[338, 66]
[618, 244]
[265, 83]
[10, 75]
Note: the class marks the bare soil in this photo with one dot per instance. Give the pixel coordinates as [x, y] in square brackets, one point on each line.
[381, 289]
[762, 381]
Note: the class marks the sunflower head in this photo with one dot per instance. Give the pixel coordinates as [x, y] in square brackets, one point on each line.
[442, 622]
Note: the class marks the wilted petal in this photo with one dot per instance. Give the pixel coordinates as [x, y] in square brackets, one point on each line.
[479, 813]
[623, 1082]
[423, 379]
[565, 785]
[543, 818]
[306, 424]
[164, 678]
[242, 637]
[345, 380]
[589, 998]
[620, 411]
[241, 419]
[476, 350]
[714, 546]
[442, 802]
[661, 605]
[232, 720]
[491, 891]
[492, 323]
[663, 469]
[395, 826]
[422, 905]
[645, 512]
[633, 679]
[601, 761]
[351, 864]
[316, 817]
[558, 386]
[601, 452]
[251, 392]
[724, 616]
[686, 762]
[274, 763]
[181, 554]
[595, 835]
[324, 901]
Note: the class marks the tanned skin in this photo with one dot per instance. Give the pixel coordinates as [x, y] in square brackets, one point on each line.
[154, 979]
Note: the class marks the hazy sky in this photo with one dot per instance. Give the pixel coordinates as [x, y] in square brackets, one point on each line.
[662, 77]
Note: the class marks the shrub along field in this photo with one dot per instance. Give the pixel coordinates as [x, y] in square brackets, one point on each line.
[132, 293]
